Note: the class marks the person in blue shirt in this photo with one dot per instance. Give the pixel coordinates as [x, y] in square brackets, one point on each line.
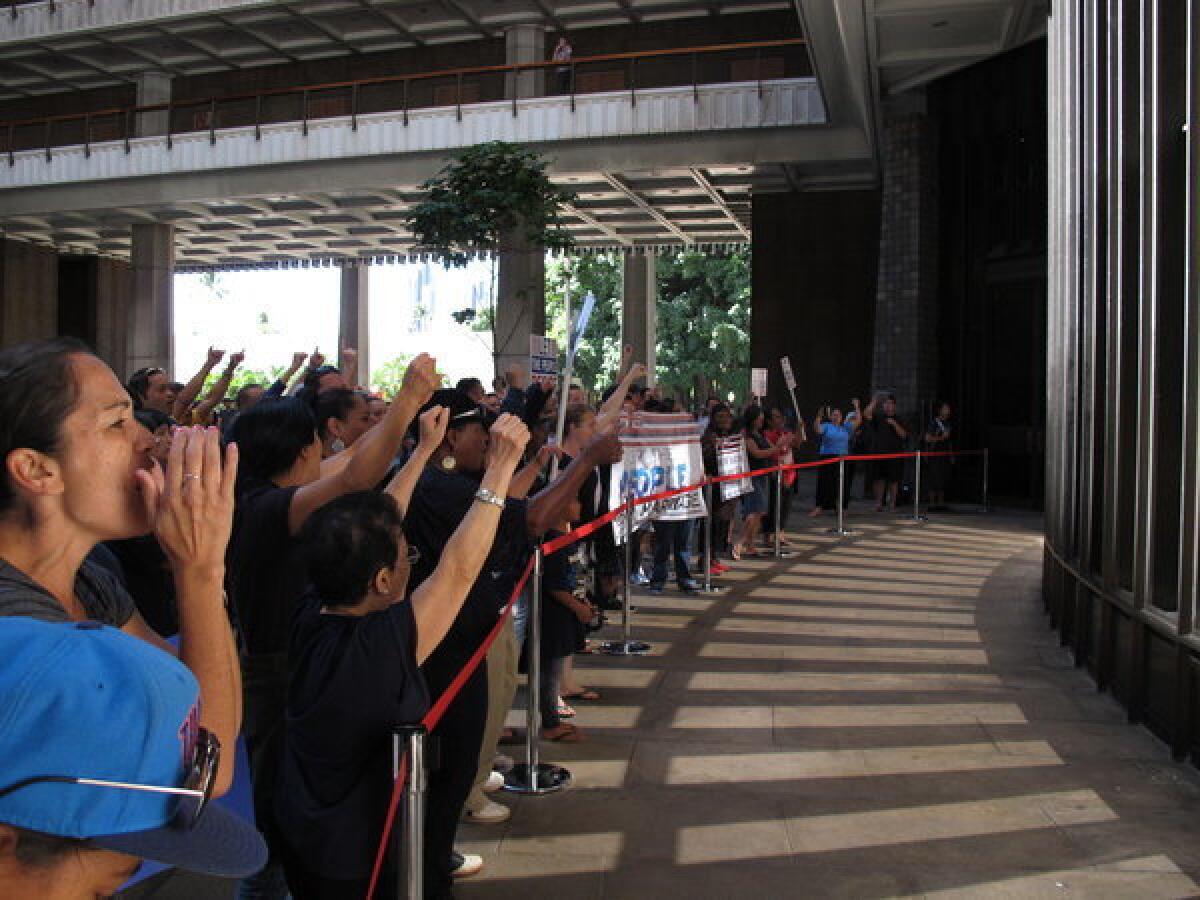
[835, 434]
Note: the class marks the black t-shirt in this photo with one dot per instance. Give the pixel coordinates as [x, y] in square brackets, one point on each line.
[103, 597]
[589, 492]
[562, 632]
[149, 581]
[883, 436]
[439, 503]
[264, 576]
[353, 679]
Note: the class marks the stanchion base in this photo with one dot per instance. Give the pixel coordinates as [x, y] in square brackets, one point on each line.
[840, 531]
[715, 589]
[916, 520]
[550, 779]
[624, 648]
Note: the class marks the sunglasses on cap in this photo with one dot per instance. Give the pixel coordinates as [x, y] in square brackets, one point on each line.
[194, 796]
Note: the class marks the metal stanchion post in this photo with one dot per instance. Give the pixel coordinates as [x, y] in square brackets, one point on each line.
[841, 501]
[916, 516]
[409, 740]
[535, 776]
[778, 513]
[985, 479]
[709, 556]
[626, 646]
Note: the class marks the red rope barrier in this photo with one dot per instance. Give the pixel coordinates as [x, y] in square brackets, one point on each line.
[438, 710]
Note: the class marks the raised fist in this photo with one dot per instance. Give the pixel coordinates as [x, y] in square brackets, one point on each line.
[236, 359]
[433, 425]
[421, 379]
[605, 448]
[298, 359]
[506, 441]
[215, 356]
[316, 359]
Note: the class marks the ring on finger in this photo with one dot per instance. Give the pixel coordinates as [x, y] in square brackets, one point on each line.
[191, 475]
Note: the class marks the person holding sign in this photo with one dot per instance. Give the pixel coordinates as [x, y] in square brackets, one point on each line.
[836, 434]
[763, 454]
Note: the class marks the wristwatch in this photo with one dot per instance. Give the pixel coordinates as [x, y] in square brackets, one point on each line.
[485, 496]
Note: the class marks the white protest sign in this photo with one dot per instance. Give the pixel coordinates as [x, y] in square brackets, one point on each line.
[543, 360]
[732, 459]
[789, 377]
[662, 452]
[758, 382]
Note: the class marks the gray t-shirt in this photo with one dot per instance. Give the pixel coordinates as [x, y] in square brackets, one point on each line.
[101, 593]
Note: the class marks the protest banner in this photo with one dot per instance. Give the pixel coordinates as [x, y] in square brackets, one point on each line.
[543, 360]
[758, 382]
[732, 459]
[661, 453]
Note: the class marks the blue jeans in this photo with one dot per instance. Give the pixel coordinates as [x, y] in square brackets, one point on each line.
[670, 540]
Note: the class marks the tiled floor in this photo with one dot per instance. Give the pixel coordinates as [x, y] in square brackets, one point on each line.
[882, 715]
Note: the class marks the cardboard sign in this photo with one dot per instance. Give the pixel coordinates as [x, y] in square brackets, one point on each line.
[661, 452]
[788, 377]
[732, 458]
[758, 382]
[543, 360]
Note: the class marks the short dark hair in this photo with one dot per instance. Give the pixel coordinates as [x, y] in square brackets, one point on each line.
[139, 381]
[38, 390]
[271, 435]
[576, 413]
[243, 391]
[347, 541]
[465, 384]
[312, 380]
[335, 404]
[152, 419]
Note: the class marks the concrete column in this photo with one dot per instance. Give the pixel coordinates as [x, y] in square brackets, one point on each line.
[520, 302]
[639, 309]
[152, 88]
[151, 338]
[354, 317]
[905, 353]
[28, 292]
[114, 287]
[523, 44]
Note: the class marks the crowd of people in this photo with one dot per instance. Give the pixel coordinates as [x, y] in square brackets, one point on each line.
[324, 562]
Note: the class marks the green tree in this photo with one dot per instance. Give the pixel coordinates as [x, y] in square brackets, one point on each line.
[388, 377]
[600, 349]
[704, 323]
[241, 378]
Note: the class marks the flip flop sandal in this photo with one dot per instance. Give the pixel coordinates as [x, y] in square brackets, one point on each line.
[565, 712]
[563, 734]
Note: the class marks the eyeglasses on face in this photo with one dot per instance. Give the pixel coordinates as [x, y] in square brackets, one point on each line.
[194, 796]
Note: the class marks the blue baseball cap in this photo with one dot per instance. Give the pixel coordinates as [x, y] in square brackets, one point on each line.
[82, 700]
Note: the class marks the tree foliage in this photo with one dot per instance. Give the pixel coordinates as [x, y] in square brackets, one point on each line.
[388, 377]
[600, 350]
[241, 378]
[703, 320]
[481, 196]
[704, 323]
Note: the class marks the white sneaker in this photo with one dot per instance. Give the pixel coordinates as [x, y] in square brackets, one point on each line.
[470, 865]
[494, 782]
[490, 814]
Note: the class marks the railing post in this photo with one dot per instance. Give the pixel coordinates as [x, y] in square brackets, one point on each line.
[458, 110]
[405, 102]
[695, 79]
[87, 136]
[170, 143]
[779, 513]
[633, 81]
[916, 516]
[409, 740]
[535, 777]
[258, 118]
[12, 134]
[354, 107]
[709, 555]
[304, 114]
[212, 122]
[49, 132]
[626, 646]
[841, 528]
[572, 85]
[125, 114]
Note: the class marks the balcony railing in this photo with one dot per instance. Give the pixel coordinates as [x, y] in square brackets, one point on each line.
[717, 64]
